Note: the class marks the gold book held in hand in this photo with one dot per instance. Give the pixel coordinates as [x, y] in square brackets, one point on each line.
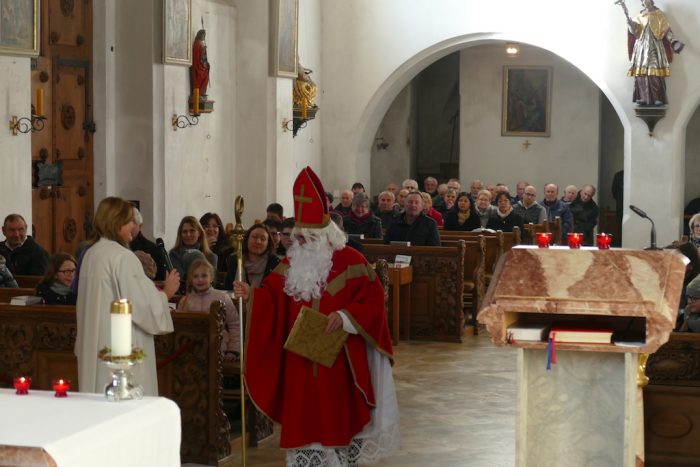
[309, 338]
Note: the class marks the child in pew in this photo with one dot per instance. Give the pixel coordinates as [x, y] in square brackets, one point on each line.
[55, 287]
[201, 294]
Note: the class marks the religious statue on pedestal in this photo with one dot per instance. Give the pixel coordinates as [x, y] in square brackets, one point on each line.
[199, 75]
[304, 95]
[651, 46]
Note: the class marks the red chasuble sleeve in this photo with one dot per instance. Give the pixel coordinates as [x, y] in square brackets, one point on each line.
[313, 403]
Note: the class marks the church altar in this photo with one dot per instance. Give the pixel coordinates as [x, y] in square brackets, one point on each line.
[87, 430]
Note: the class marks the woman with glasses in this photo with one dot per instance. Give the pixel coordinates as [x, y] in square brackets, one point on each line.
[55, 287]
[694, 225]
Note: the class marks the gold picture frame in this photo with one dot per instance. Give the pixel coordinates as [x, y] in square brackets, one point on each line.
[177, 32]
[527, 101]
[19, 27]
[285, 22]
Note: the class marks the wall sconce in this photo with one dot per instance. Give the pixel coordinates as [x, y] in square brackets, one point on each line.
[300, 118]
[33, 123]
[381, 144]
[512, 49]
[183, 121]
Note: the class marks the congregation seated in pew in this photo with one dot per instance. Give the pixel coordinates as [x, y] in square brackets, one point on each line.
[55, 287]
[464, 217]
[360, 220]
[413, 225]
[504, 219]
[22, 254]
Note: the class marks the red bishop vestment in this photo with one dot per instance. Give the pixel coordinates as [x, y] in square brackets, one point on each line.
[315, 404]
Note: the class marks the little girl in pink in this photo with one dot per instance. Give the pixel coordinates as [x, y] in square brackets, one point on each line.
[201, 294]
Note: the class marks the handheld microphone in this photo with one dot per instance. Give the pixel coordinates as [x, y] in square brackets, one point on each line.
[161, 245]
[638, 211]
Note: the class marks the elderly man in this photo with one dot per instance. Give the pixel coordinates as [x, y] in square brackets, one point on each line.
[453, 184]
[23, 255]
[346, 414]
[392, 187]
[569, 194]
[557, 208]
[410, 185]
[343, 208]
[413, 225]
[474, 189]
[141, 243]
[430, 185]
[528, 208]
[386, 208]
[519, 190]
[585, 212]
[401, 198]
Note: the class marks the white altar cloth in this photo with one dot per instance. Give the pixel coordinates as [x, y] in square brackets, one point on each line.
[87, 430]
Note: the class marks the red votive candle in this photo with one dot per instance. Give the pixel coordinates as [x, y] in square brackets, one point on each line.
[604, 240]
[22, 385]
[575, 239]
[61, 387]
[544, 239]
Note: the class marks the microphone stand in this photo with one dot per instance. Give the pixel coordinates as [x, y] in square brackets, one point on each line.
[644, 215]
[238, 233]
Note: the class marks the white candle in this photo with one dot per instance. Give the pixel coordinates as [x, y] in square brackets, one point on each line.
[121, 327]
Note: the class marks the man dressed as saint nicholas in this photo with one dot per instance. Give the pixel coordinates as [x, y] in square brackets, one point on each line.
[340, 416]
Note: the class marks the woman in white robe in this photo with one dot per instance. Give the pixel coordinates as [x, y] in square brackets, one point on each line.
[109, 271]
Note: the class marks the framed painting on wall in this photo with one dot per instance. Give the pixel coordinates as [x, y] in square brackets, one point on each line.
[527, 92]
[177, 32]
[285, 18]
[19, 27]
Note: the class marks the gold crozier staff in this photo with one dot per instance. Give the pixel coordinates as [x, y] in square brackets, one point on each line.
[238, 234]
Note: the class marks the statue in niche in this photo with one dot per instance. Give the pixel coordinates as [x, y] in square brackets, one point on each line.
[199, 73]
[651, 47]
[304, 93]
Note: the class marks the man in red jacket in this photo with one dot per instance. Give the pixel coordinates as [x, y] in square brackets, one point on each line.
[346, 414]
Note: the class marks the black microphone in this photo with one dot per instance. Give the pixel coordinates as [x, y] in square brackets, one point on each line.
[161, 245]
[644, 215]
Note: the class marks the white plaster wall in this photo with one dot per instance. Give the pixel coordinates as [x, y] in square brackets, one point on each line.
[306, 148]
[15, 151]
[611, 152]
[692, 159]
[392, 164]
[569, 156]
[384, 44]
[256, 112]
[137, 153]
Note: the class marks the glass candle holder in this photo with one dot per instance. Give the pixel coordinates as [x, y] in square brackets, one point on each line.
[544, 239]
[22, 385]
[575, 240]
[604, 241]
[61, 387]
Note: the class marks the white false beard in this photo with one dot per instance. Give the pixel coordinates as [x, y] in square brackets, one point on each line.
[309, 265]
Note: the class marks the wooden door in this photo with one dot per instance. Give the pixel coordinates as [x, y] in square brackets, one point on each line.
[62, 207]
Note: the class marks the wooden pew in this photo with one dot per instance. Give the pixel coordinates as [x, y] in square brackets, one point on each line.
[474, 276]
[29, 282]
[672, 403]
[38, 341]
[7, 294]
[497, 243]
[437, 288]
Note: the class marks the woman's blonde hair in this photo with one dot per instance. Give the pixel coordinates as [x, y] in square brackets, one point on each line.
[204, 244]
[196, 264]
[111, 215]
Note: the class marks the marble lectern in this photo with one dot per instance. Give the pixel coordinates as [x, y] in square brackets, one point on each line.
[587, 409]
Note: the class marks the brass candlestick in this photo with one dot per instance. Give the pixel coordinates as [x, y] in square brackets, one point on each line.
[238, 233]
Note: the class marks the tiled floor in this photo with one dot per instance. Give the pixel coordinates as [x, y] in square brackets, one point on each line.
[457, 405]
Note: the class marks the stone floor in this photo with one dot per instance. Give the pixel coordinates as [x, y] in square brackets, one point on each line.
[457, 405]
